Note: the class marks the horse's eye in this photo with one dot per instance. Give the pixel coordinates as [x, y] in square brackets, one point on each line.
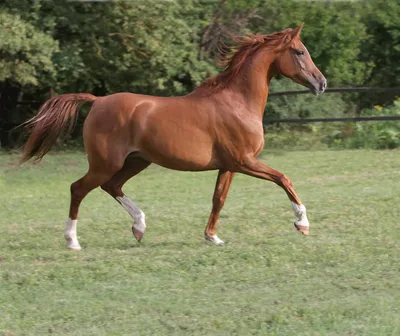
[299, 52]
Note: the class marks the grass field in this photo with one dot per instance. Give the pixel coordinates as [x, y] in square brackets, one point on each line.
[344, 279]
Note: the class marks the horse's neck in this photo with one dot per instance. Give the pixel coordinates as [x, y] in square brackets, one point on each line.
[252, 81]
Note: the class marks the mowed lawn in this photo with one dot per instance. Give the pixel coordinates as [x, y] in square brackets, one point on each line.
[343, 279]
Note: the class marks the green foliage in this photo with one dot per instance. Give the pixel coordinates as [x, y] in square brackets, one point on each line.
[122, 46]
[168, 48]
[382, 48]
[351, 135]
[376, 135]
[25, 52]
[131, 51]
[117, 46]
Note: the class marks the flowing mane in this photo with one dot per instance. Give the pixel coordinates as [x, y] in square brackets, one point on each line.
[233, 60]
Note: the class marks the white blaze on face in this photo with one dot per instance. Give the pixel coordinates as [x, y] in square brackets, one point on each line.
[301, 215]
[70, 234]
[137, 214]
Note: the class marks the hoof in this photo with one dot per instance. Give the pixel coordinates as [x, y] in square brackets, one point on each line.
[137, 234]
[72, 242]
[303, 229]
[74, 246]
[214, 239]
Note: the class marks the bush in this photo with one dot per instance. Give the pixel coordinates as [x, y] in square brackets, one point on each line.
[366, 134]
[373, 134]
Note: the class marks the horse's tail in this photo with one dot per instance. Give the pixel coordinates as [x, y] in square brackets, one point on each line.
[50, 121]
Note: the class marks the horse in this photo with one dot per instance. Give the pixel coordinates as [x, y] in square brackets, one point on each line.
[218, 126]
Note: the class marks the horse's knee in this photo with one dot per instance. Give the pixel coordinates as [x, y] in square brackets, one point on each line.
[283, 180]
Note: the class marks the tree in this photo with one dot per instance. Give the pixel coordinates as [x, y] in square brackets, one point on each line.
[333, 33]
[382, 48]
[25, 61]
[26, 52]
[169, 47]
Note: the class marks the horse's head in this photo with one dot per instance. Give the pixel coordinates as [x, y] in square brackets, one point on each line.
[294, 61]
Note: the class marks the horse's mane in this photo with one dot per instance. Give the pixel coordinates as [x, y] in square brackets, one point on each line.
[234, 59]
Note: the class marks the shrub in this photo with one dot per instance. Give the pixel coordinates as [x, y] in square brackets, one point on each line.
[365, 134]
[369, 134]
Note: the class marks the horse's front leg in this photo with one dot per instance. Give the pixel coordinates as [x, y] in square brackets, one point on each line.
[255, 168]
[224, 181]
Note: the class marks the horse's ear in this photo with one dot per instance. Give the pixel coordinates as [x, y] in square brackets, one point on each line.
[296, 32]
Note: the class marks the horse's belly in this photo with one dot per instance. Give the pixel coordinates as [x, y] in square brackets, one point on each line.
[184, 164]
[185, 154]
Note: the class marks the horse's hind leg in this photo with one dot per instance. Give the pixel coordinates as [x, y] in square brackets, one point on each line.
[79, 189]
[132, 167]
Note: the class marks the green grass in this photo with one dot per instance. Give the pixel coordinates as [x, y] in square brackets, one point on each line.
[267, 280]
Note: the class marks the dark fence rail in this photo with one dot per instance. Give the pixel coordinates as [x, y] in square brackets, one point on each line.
[311, 120]
[337, 90]
[333, 90]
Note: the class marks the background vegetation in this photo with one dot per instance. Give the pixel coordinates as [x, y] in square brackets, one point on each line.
[169, 47]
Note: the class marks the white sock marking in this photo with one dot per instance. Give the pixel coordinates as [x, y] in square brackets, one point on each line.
[70, 234]
[137, 214]
[301, 215]
[215, 240]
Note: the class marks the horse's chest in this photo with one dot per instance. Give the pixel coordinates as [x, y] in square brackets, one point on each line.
[251, 135]
[254, 144]
[246, 138]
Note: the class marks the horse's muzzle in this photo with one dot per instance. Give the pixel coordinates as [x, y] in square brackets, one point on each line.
[317, 84]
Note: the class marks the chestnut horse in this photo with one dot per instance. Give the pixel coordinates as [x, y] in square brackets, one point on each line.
[218, 126]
